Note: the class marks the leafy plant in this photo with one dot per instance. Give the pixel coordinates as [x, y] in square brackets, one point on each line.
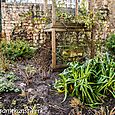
[83, 8]
[7, 82]
[90, 82]
[16, 49]
[28, 73]
[111, 43]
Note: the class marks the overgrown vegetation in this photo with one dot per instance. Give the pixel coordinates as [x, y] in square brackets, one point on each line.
[90, 81]
[16, 49]
[85, 18]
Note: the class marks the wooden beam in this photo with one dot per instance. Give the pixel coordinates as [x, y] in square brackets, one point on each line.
[0, 18]
[45, 7]
[76, 9]
[53, 12]
[91, 9]
[53, 49]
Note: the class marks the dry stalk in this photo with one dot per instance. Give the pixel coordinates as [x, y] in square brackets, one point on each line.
[112, 112]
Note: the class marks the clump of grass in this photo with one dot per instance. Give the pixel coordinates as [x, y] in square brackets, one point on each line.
[90, 81]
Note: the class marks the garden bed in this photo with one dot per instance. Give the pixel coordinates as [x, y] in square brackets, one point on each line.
[41, 95]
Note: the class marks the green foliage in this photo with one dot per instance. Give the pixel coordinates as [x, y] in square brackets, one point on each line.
[83, 8]
[7, 82]
[15, 49]
[38, 18]
[90, 82]
[86, 19]
[111, 43]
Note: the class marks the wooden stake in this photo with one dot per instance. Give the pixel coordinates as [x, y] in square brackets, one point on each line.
[45, 7]
[0, 19]
[91, 8]
[53, 12]
[53, 49]
[76, 8]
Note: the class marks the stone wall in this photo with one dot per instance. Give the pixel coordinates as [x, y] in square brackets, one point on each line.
[11, 19]
[110, 4]
[10, 16]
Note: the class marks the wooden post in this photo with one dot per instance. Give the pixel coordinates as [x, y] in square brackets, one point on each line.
[53, 12]
[45, 7]
[91, 8]
[53, 34]
[76, 9]
[53, 49]
[92, 53]
[0, 19]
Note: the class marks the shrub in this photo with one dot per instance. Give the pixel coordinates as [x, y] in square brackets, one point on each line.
[90, 82]
[111, 43]
[7, 82]
[15, 49]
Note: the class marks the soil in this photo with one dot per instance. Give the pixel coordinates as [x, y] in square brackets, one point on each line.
[39, 91]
